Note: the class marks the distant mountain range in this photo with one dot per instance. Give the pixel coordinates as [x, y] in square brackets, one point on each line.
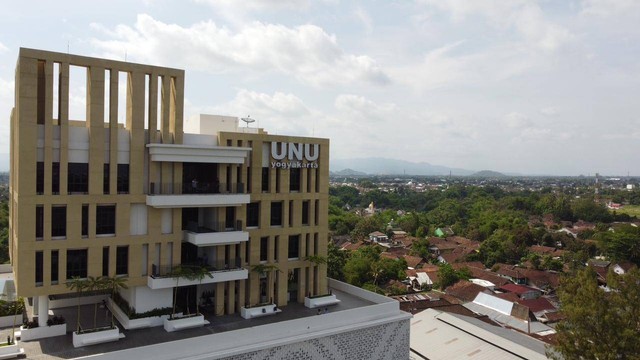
[382, 166]
[488, 174]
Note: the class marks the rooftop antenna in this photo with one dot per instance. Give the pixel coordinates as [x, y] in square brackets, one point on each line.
[248, 120]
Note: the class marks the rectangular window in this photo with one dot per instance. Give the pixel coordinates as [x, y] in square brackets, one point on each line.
[294, 180]
[317, 179]
[105, 178]
[230, 218]
[248, 180]
[264, 248]
[39, 221]
[105, 220]
[305, 212]
[85, 220]
[276, 243]
[278, 176]
[290, 213]
[122, 260]
[253, 214]
[308, 171]
[76, 263]
[59, 221]
[54, 266]
[316, 213]
[276, 213]
[78, 178]
[39, 178]
[39, 267]
[294, 247]
[123, 178]
[105, 261]
[265, 179]
[55, 178]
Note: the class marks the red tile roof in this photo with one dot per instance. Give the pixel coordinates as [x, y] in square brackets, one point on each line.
[537, 305]
[465, 290]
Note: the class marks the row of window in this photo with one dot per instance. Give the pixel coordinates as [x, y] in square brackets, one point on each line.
[293, 246]
[295, 179]
[77, 261]
[276, 214]
[105, 221]
[78, 178]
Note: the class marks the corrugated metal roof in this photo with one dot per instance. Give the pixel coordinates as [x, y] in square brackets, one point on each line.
[438, 335]
[494, 303]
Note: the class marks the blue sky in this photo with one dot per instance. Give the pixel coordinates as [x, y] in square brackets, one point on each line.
[535, 87]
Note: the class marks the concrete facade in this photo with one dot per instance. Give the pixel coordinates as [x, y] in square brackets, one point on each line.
[122, 198]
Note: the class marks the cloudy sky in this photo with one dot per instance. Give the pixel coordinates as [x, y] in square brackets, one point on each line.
[535, 87]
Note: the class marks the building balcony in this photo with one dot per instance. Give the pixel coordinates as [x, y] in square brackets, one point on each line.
[165, 277]
[196, 195]
[198, 153]
[219, 235]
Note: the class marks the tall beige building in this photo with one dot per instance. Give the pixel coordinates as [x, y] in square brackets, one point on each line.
[125, 191]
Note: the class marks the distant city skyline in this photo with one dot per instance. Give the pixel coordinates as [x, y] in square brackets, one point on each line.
[530, 87]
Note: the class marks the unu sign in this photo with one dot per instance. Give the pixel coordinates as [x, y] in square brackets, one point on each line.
[294, 155]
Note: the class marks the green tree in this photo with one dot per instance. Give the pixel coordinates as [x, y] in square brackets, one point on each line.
[115, 284]
[336, 260]
[420, 248]
[599, 324]
[199, 273]
[95, 284]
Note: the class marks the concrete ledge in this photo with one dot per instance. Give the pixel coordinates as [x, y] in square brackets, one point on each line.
[132, 324]
[11, 320]
[314, 302]
[42, 332]
[189, 322]
[96, 337]
[258, 311]
[10, 351]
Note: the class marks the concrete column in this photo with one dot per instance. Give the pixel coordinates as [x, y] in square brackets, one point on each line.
[43, 310]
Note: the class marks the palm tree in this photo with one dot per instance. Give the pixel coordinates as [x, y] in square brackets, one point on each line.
[177, 272]
[78, 284]
[199, 273]
[115, 283]
[95, 284]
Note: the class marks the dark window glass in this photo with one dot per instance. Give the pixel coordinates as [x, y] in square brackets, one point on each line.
[105, 261]
[39, 221]
[122, 260]
[264, 245]
[123, 178]
[253, 214]
[290, 212]
[76, 263]
[78, 178]
[105, 219]
[39, 177]
[59, 221]
[105, 179]
[54, 266]
[305, 212]
[294, 246]
[294, 179]
[55, 178]
[39, 267]
[248, 180]
[317, 212]
[276, 213]
[317, 179]
[230, 217]
[278, 173]
[265, 179]
[85, 220]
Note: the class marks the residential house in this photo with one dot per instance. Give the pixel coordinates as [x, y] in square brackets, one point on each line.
[523, 292]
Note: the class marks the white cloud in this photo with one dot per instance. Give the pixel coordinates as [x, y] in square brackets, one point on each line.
[549, 111]
[363, 16]
[605, 8]
[305, 52]
[524, 16]
[516, 120]
[256, 5]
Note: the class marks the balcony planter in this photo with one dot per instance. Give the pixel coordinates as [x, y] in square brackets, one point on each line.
[96, 336]
[42, 332]
[259, 311]
[131, 324]
[319, 301]
[10, 351]
[186, 322]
